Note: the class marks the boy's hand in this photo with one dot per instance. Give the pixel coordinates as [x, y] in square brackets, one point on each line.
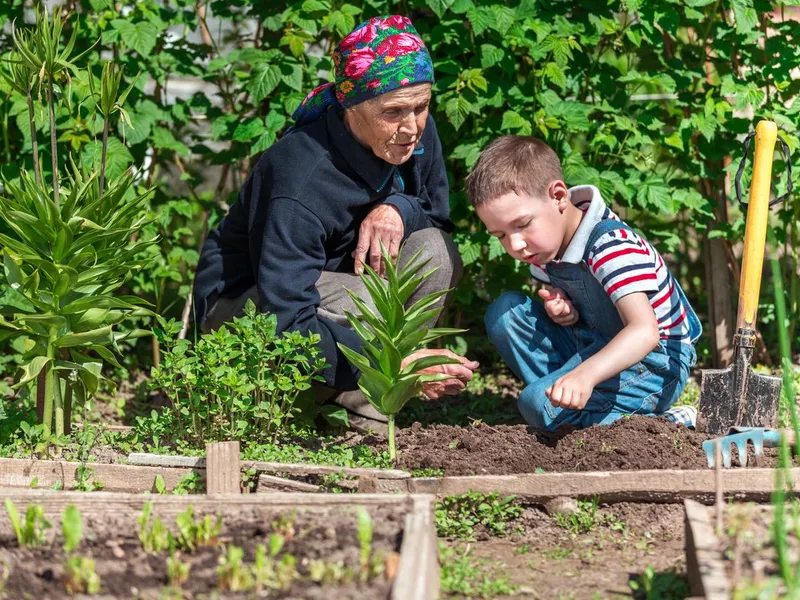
[573, 390]
[558, 306]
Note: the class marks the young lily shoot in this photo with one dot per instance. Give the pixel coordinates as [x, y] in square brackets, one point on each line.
[391, 334]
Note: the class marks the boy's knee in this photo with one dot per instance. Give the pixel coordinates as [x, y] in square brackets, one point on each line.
[535, 407]
[500, 311]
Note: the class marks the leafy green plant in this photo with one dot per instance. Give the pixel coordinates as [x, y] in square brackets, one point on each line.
[155, 537]
[71, 528]
[233, 575]
[393, 335]
[239, 382]
[193, 534]
[458, 516]
[80, 576]
[63, 260]
[32, 531]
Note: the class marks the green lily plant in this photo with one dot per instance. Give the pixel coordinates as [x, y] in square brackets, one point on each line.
[388, 380]
[65, 253]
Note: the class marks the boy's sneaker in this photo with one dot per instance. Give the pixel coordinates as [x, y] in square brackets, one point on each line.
[683, 415]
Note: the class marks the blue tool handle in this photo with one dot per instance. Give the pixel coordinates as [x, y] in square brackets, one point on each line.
[772, 437]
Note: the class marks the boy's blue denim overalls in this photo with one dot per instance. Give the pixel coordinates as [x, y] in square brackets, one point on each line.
[539, 351]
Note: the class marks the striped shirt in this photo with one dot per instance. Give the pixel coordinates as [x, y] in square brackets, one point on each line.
[624, 262]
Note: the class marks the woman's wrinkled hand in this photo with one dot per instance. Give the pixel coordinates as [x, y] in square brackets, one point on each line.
[383, 224]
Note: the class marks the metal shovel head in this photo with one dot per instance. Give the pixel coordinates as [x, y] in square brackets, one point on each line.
[737, 395]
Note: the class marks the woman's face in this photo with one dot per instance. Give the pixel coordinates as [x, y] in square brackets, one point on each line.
[391, 124]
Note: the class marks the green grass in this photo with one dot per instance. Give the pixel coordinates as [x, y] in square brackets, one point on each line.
[468, 577]
[459, 516]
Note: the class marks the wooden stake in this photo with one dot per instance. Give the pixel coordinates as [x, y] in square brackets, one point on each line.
[719, 504]
[223, 475]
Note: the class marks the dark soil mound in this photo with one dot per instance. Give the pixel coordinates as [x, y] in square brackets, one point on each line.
[632, 443]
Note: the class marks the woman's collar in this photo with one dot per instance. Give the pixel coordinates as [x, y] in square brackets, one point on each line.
[373, 170]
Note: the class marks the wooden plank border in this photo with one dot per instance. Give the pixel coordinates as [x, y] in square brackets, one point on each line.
[660, 486]
[705, 564]
[665, 486]
[418, 571]
[199, 462]
[21, 473]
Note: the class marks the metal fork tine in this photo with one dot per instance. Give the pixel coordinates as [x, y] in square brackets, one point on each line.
[741, 446]
[726, 456]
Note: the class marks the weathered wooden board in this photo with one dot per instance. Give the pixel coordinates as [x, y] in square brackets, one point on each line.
[667, 486]
[704, 562]
[199, 462]
[20, 472]
[417, 574]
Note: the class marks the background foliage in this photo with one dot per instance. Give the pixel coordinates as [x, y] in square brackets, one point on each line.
[647, 100]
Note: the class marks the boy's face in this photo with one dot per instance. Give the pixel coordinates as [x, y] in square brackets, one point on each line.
[532, 229]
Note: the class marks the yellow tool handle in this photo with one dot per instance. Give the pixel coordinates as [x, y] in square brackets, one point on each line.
[755, 233]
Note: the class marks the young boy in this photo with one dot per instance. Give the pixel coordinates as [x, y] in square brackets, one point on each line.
[614, 334]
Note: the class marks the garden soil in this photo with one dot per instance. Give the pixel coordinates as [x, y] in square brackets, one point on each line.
[127, 572]
[633, 443]
[548, 561]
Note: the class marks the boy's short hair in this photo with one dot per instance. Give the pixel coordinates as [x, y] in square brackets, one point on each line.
[513, 163]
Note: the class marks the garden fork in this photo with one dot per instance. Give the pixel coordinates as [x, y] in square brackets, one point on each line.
[759, 437]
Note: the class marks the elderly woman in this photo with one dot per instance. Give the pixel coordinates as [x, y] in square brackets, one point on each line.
[362, 166]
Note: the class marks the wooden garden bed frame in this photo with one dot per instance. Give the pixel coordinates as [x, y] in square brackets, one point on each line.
[705, 564]
[418, 571]
[660, 485]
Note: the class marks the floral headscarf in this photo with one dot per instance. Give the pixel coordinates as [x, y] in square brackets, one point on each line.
[378, 56]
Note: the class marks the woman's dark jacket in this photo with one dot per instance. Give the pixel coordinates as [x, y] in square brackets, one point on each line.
[299, 214]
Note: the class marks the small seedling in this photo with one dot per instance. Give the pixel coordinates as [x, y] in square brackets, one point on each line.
[31, 532]
[458, 516]
[190, 483]
[583, 520]
[651, 585]
[329, 573]
[284, 525]
[71, 528]
[80, 576]
[232, 573]
[160, 485]
[269, 573]
[155, 537]
[177, 570]
[194, 534]
[84, 476]
[365, 529]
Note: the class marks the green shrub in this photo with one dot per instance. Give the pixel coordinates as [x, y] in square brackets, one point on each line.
[239, 382]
